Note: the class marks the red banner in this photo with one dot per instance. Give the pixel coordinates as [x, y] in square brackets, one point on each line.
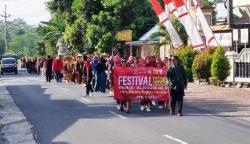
[157, 7]
[140, 83]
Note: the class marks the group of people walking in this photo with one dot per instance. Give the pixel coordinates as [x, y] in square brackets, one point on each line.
[96, 74]
[176, 76]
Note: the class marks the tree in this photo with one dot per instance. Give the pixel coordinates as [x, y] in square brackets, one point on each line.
[74, 36]
[101, 32]
[122, 15]
[187, 56]
[220, 68]
[40, 47]
[163, 35]
[63, 8]
[22, 38]
[52, 31]
[86, 8]
[2, 47]
[180, 30]
[201, 67]
[92, 24]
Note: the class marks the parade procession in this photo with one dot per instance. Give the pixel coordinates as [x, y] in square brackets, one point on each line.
[124, 71]
[132, 79]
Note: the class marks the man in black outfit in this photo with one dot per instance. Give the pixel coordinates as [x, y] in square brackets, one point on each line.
[49, 69]
[176, 76]
[87, 73]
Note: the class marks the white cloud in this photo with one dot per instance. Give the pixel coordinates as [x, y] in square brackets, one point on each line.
[32, 11]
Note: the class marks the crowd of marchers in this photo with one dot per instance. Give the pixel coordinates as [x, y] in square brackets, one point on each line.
[96, 74]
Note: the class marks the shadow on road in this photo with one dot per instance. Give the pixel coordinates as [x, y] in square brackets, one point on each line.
[51, 114]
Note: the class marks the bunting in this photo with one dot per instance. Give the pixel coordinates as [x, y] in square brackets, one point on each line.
[210, 39]
[179, 9]
[164, 19]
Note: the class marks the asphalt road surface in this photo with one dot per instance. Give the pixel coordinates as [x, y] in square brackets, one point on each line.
[60, 116]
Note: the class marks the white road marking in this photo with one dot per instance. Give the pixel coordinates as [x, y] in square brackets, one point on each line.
[123, 117]
[65, 89]
[175, 139]
[82, 98]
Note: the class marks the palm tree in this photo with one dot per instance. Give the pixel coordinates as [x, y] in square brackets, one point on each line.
[164, 37]
[53, 30]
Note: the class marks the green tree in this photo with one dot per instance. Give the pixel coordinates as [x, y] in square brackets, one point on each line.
[163, 35]
[87, 28]
[22, 38]
[52, 31]
[63, 8]
[180, 30]
[2, 47]
[201, 67]
[74, 36]
[122, 15]
[220, 68]
[86, 8]
[187, 56]
[40, 47]
[100, 33]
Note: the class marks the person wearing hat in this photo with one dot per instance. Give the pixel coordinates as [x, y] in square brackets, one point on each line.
[176, 76]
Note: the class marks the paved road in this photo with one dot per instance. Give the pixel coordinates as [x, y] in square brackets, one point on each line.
[60, 116]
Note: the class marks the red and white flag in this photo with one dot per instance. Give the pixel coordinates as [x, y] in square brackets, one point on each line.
[210, 39]
[164, 19]
[181, 12]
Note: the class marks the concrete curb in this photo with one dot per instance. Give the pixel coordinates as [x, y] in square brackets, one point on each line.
[14, 127]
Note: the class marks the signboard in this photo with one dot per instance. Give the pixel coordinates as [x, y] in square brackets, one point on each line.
[235, 34]
[244, 35]
[224, 39]
[140, 83]
[125, 35]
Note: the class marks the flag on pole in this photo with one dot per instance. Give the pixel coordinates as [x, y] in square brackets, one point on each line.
[210, 39]
[179, 9]
[164, 19]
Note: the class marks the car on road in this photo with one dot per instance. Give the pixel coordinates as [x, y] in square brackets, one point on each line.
[9, 65]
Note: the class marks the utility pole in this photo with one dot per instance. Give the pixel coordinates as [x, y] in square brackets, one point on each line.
[5, 16]
[230, 12]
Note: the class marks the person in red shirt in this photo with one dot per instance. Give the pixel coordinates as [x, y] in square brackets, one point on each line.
[58, 68]
[146, 103]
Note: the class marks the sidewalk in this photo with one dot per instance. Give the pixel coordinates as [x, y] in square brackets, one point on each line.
[14, 128]
[224, 102]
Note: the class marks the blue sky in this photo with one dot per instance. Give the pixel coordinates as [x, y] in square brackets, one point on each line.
[34, 11]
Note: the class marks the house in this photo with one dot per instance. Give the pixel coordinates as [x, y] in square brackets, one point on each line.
[144, 46]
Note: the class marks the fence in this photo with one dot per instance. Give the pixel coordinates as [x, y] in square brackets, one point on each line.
[240, 66]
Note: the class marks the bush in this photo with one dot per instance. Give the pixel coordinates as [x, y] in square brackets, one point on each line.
[202, 65]
[220, 68]
[187, 56]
